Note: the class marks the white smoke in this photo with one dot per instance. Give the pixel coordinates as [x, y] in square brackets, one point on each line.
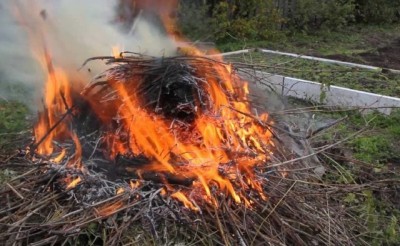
[19, 72]
[73, 31]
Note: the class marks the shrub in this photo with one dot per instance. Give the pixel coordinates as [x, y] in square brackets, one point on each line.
[243, 20]
[377, 11]
[194, 20]
[246, 20]
[310, 15]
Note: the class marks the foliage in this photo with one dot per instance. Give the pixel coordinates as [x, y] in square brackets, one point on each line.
[377, 11]
[231, 20]
[315, 14]
[240, 20]
[194, 20]
[244, 20]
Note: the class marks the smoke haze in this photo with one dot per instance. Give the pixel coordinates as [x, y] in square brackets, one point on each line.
[72, 31]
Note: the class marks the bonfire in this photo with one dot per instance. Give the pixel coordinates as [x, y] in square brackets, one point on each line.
[166, 150]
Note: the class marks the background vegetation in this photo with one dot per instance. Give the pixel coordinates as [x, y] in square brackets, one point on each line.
[229, 20]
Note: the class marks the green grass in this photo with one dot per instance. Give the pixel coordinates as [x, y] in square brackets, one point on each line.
[349, 41]
[13, 120]
[379, 145]
[328, 74]
[370, 157]
[12, 117]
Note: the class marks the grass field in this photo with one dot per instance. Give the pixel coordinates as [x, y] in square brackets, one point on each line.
[386, 83]
[350, 41]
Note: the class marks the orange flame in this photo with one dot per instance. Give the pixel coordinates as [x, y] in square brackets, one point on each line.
[116, 51]
[151, 136]
[182, 198]
[57, 90]
[109, 209]
[74, 183]
[134, 184]
[59, 158]
[75, 162]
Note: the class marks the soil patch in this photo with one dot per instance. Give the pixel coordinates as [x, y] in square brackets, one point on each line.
[385, 57]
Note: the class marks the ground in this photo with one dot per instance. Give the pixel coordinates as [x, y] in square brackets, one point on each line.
[385, 57]
[376, 81]
[372, 45]
[372, 156]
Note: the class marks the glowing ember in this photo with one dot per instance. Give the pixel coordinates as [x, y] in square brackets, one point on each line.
[284, 172]
[109, 209]
[120, 190]
[59, 158]
[134, 184]
[74, 183]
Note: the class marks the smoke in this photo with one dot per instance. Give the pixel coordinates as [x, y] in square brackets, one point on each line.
[19, 72]
[71, 31]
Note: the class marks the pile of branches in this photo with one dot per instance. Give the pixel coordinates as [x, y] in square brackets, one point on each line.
[41, 209]
[167, 85]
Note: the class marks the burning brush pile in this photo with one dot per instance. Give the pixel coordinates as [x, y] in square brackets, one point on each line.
[183, 123]
[163, 150]
[166, 149]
